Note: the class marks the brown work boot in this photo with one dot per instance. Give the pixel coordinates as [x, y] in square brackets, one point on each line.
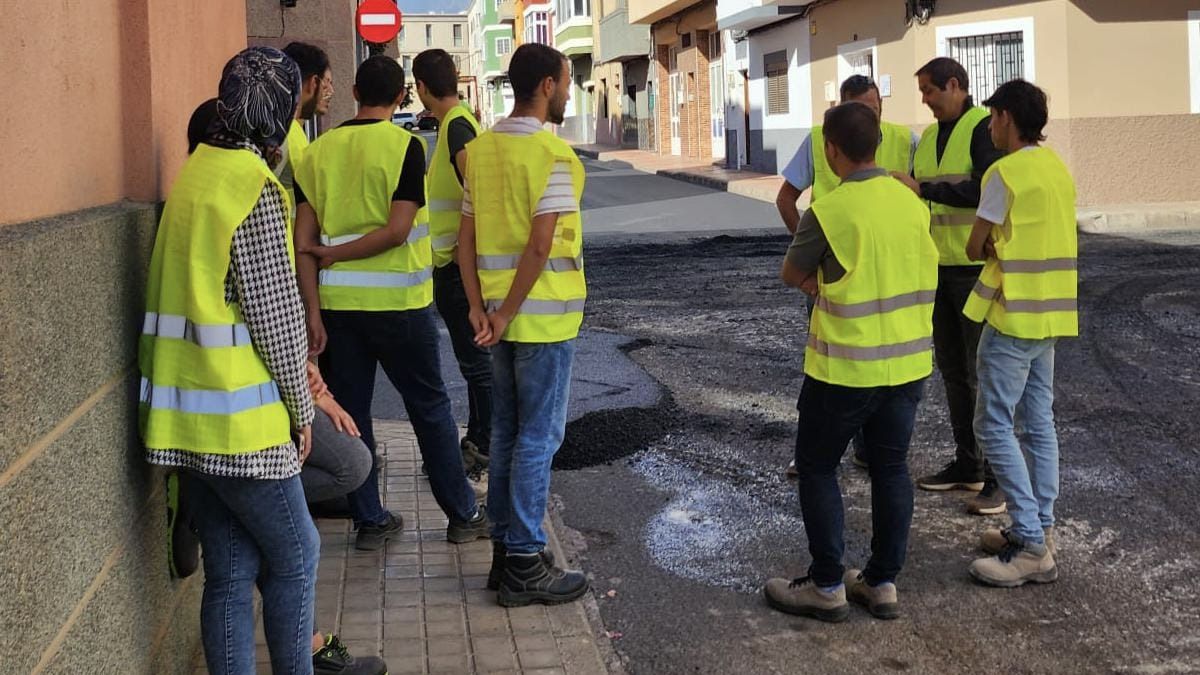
[803, 598]
[1016, 564]
[879, 600]
[994, 540]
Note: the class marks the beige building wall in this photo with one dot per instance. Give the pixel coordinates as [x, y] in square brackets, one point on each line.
[93, 142]
[412, 41]
[1116, 73]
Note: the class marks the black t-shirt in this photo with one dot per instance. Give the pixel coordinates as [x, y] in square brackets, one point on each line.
[458, 134]
[411, 186]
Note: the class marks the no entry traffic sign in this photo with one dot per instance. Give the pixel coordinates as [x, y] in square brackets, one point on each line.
[378, 21]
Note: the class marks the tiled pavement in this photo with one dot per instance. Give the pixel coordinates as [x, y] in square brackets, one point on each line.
[422, 604]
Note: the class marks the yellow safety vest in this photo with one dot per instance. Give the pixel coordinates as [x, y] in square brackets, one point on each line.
[348, 176]
[874, 326]
[297, 143]
[1030, 289]
[445, 192]
[204, 387]
[507, 175]
[951, 227]
[894, 154]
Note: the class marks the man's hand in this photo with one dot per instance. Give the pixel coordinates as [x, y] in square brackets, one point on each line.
[342, 421]
[481, 325]
[322, 254]
[499, 323]
[316, 334]
[989, 248]
[304, 441]
[909, 181]
[809, 285]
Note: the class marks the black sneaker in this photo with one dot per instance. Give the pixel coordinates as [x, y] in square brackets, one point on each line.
[529, 579]
[373, 537]
[474, 458]
[183, 548]
[497, 571]
[335, 659]
[952, 477]
[459, 532]
[989, 502]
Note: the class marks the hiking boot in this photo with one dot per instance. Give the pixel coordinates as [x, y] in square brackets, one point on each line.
[183, 547]
[460, 532]
[335, 659]
[879, 600]
[994, 540]
[790, 471]
[803, 598]
[478, 479]
[499, 551]
[473, 457]
[952, 477]
[989, 501]
[373, 537]
[529, 578]
[1016, 564]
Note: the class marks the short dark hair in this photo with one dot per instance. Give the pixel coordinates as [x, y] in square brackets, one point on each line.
[530, 65]
[941, 69]
[379, 81]
[312, 59]
[436, 69]
[1026, 102]
[853, 128]
[857, 85]
[202, 118]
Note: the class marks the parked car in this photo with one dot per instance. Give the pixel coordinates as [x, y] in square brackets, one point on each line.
[405, 119]
[427, 122]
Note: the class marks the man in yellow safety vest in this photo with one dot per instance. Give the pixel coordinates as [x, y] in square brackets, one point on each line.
[520, 248]
[316, 90]
[875, 265]
[1027, 295]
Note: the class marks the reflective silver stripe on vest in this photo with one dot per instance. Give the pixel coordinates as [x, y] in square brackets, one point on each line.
[952, 219]
[445, 241]
[418, 231]
[375, 279]
[203, 335]
[441, 205]
[951, 178]
[1032, 266]
[509, 262]
[1039, 306]
[858, 310]
[544, 307]
[208, 401]
[984, 291]
[870, 353]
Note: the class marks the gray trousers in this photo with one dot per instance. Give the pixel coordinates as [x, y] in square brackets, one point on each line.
[337, 465]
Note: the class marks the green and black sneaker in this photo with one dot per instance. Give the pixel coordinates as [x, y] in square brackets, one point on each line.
[335, 659]
[183, 548]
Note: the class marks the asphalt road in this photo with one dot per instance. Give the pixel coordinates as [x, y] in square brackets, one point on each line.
[680, 532]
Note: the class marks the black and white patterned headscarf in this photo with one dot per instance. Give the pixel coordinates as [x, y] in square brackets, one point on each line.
[257, 99]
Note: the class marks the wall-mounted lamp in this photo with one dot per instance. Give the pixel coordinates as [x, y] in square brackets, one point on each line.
[919, 10]
[288, 3]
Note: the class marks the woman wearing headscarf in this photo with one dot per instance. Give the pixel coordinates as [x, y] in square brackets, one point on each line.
[224, 393]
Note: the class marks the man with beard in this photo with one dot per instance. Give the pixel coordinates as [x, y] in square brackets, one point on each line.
[316, 90]
[520, 249]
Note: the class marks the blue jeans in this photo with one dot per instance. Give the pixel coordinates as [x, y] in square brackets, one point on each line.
[474, 362]
[1014, 424]
[830, 415]
[531, 386]
[254, 531]
[405, 344]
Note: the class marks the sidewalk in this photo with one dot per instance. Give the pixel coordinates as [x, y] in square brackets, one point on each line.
[422, 603]
[760, 186]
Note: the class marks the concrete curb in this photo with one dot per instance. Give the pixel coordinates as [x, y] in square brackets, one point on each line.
[1126, 218]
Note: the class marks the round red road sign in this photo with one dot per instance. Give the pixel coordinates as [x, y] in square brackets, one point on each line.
[378, 21]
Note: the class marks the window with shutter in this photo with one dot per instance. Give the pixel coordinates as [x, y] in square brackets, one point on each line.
[775, 70]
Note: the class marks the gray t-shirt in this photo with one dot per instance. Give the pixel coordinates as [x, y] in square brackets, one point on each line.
[810, 249]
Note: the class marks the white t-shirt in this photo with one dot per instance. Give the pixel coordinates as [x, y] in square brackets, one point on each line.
[993, 203]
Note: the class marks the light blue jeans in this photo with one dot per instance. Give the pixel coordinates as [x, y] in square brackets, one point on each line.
[1014, 424]
[254, 532]
[531, 383]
